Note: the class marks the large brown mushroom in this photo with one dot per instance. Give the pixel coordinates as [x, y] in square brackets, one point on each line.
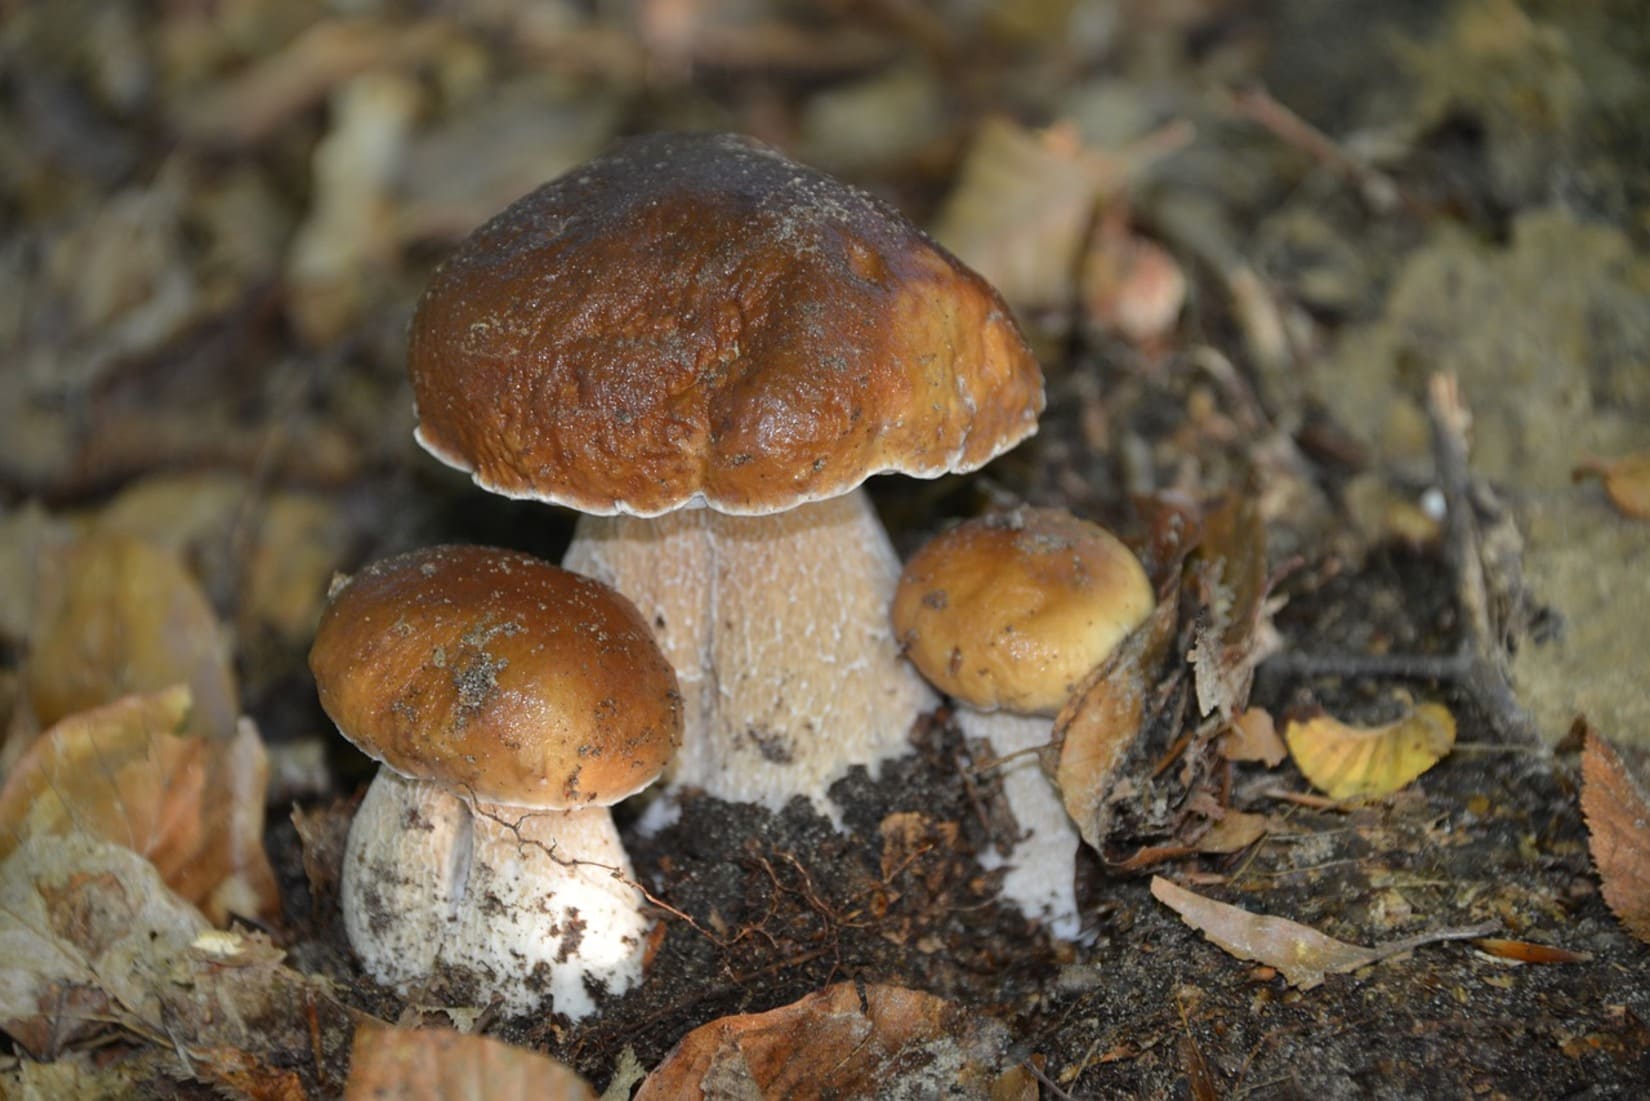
[511, 702]
[705, 348]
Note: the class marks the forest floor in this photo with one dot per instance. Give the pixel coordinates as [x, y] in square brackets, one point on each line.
[1379, 274]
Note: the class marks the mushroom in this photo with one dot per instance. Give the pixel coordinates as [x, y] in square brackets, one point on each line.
[1007, 614]
[706, 349]
[511, 703]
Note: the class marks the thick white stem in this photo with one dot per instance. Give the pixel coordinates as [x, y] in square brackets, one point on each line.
[778, 629]
[488, 901]
[1041, 876]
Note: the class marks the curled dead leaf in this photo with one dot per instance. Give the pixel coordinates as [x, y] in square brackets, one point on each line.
[1302, 954]
[1618, 829]
[846, 1041]
[1234, 632]
[1350, 762]
[436, 1064]
[128, 773]
[1100, 723]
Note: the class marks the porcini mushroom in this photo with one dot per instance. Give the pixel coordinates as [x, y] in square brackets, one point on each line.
[706, 348]
[511, 703]
[1006, 614]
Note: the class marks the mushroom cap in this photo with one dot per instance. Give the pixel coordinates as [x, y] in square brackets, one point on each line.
[1012, 611]
[695, 319]
[498, 676]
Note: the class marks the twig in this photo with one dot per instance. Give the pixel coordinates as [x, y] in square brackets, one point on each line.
[1478, 665]
[1045, 1080]
[1258, 106]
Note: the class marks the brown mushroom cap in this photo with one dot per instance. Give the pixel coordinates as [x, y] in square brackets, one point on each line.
[694, 317]
[499, 676]
[1012, 611]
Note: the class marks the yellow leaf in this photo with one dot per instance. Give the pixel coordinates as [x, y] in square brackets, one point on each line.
[118, 615]
[1348, 762]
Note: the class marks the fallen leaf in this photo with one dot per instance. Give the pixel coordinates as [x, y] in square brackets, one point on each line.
[1021, 210]
[1233, 832]
[323, 833]
[1618, 828]
[91, 938]
[115, 616]
[83, 923]
[269, 550]
[1303, 955]
[846, 1041]
[438, 1064]
[1350, 762]
[1523, 951]
[1100, 723]
[1234, 632]
[1626, 482]
[128, 773]
[86, 1076]
[1253, 736]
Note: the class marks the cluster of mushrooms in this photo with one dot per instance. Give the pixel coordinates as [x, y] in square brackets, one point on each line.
[703, 348]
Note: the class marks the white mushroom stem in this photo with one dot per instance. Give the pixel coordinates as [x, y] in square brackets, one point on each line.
[1041, 876]
[490, 902]
[778, 629]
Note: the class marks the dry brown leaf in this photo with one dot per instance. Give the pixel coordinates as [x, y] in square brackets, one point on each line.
[90, 938]
[1234, 831]
[1618, 827]
[1021, 209]
[83, 922]
[86, 1076]
[1303, 955]
[1253, 736]
[1099, 724]
[1626, 482]
[846, 1041]
[126, 773]
[1234, 629]
[437, 1064]
[1351, 762]
[116, 616]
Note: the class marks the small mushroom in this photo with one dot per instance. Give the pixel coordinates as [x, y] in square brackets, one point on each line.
[706, 348]
[511, 703]
[1007, 614]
